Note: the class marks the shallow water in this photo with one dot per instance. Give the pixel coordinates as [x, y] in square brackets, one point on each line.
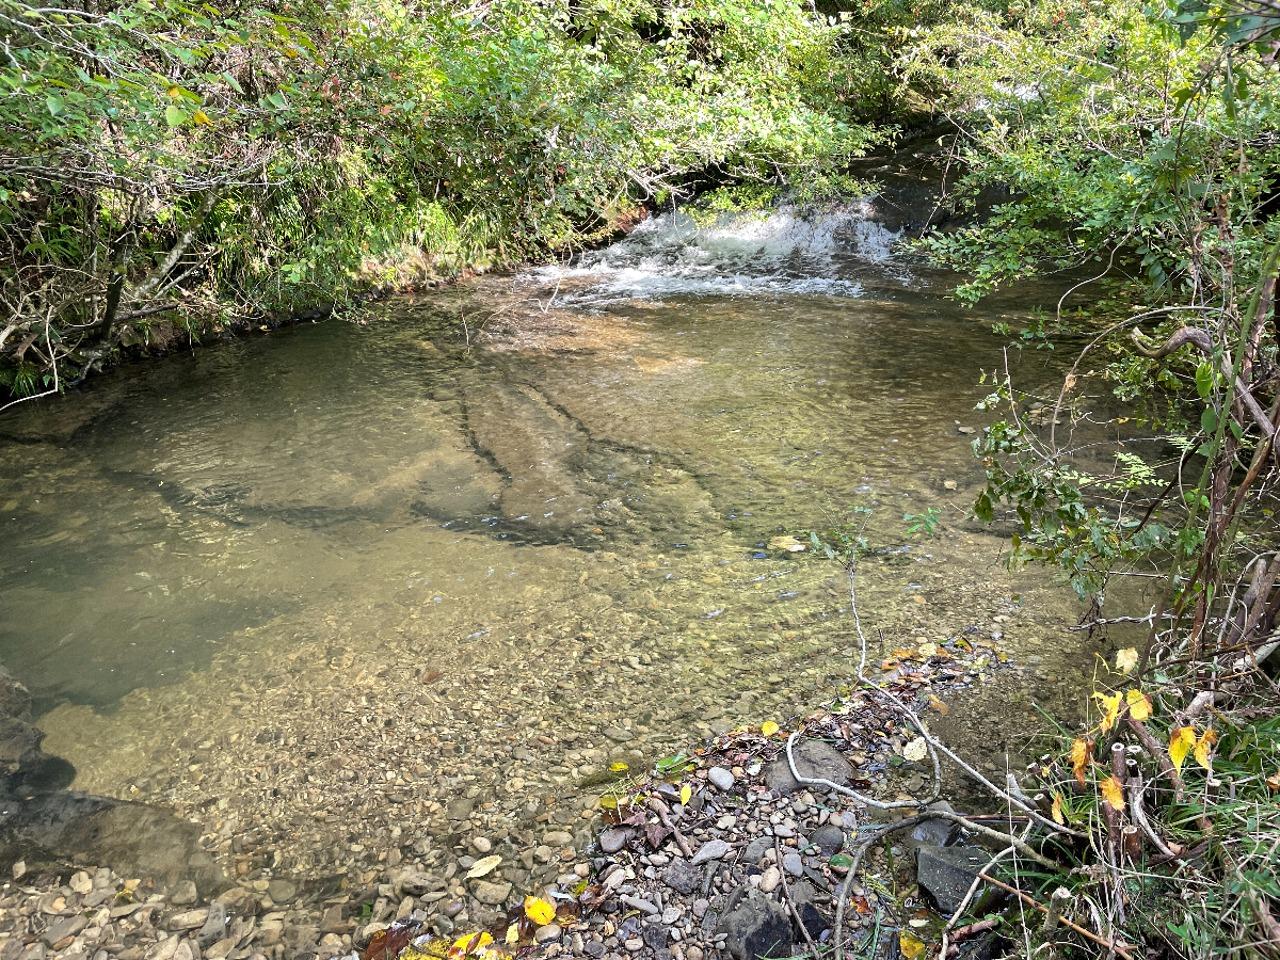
[431, 573]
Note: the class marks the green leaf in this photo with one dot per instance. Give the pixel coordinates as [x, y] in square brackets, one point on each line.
[174, 115]
[1204, 380]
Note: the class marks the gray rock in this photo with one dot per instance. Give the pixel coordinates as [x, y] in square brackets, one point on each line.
[62, 928]
[546, 934]
[189, 920]
[681, 877]
[815, 759]
[184, 894]
[614, 839]
[792, 863]
[755, 927]
[828, 838]
[757, 848]
[935, 831]
[638, 903]
[711, 850]
[493, 893]
[654, 936]
[944, 874]
[215, 926]
[721, 777]
[281, 890]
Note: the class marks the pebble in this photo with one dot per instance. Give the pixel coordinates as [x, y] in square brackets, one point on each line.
[547, 933]
[189, 920]
[614, 839]
[490, 892]
[770, 879]
[722, 778]
[711, 850]
[792, 863]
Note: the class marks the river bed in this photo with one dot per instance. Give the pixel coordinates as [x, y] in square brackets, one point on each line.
[354, 591]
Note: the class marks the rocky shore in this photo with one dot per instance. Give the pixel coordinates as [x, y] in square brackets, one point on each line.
[716, 852]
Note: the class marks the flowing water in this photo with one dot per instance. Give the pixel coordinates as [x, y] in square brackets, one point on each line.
[350, 587]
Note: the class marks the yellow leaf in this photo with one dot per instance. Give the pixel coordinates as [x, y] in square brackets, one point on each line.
[1139, 704]
[938, 705]
[1110, 709]
[539, 911]
[1080, 751]
[201, 118]
[686, 792]
[513, 935]
[768, 728]
[469, 943]
[1113, 793]
[1126, 660]
[619, 766]
[1056, 810]
[1204, 746]
[1180, 743]
[910, 946]
[173, 93]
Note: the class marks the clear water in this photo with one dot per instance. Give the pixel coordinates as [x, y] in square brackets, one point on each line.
[308, 586]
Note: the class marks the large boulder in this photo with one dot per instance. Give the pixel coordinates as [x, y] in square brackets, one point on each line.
[815, 759]
[755, 927]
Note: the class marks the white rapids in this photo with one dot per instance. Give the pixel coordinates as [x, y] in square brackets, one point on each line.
[779, 252]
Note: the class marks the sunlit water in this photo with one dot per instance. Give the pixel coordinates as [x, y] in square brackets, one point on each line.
[315, 587]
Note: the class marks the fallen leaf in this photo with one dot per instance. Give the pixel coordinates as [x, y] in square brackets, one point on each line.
[1080, 753]
[1126, 660]
[1273, 782]
[769, 728]
[1181, 741]
[656, 834]
[916, 750]
[938, 705]
[686, 792]
[469, 943]
[910, 946]
[1139, 705]
[1110, 709]
[927, 649]
[483, 867]
[619, 766]
[201, 118]
[539, 911]
[1204, 747]
[1056, 810]
[1113, 793]
[513, 935]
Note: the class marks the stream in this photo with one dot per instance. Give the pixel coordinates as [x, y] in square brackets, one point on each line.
[352, 588]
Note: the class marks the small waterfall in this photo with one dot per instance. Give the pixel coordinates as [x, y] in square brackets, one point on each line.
[784, 251]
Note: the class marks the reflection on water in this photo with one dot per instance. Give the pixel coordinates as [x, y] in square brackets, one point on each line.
[307, 586]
